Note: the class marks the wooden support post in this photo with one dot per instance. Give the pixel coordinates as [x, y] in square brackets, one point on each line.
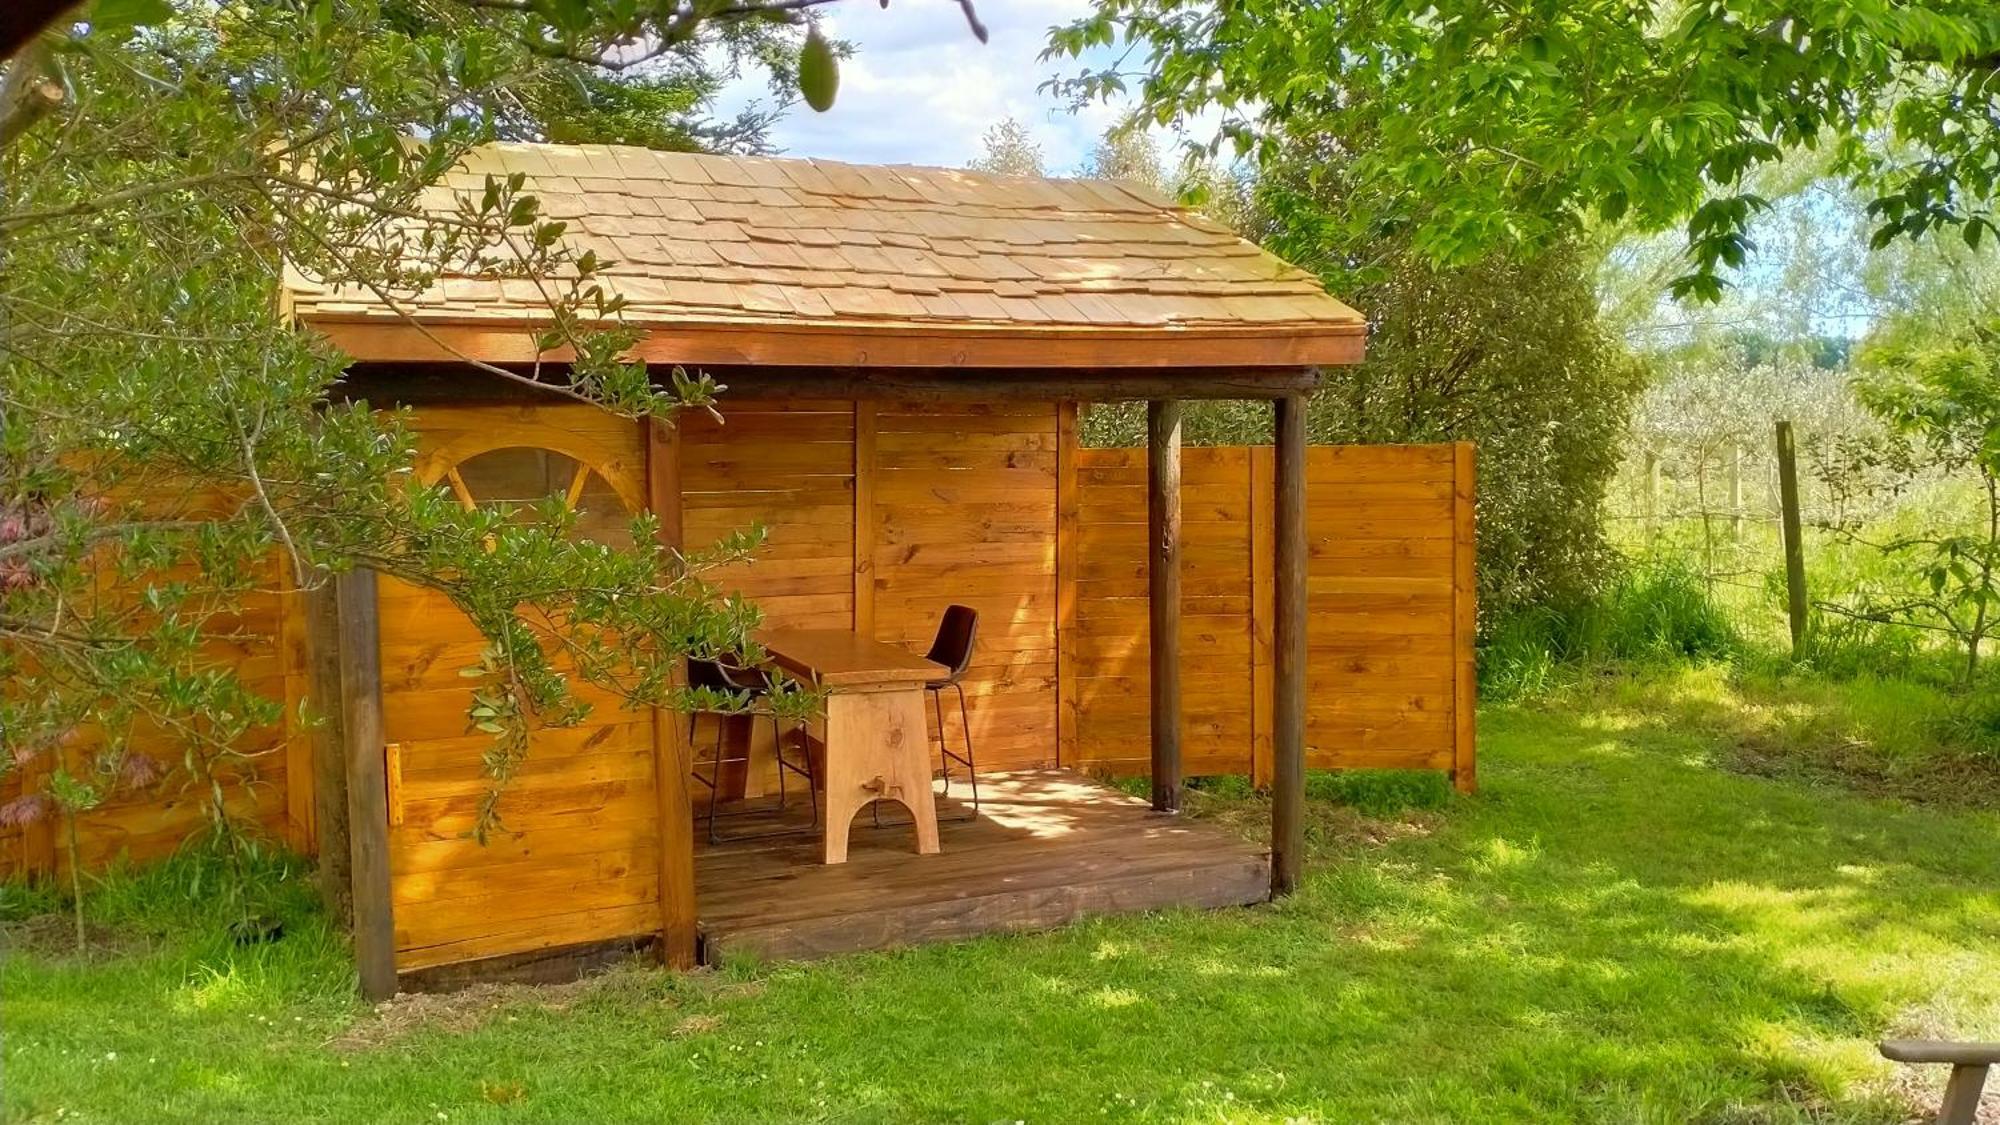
[671, 761]
[1795, 548]
[1465, 622]
[329, 748]
[367, 783]
[1068, 512]
[1288, 741]
[1163, 586]
[1263, 607]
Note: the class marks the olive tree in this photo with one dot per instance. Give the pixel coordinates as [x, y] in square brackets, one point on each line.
[165, 433]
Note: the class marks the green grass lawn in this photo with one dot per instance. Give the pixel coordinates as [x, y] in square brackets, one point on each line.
[1625, 925]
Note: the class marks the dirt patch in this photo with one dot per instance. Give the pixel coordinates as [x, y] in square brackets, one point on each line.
[466, 1009]
[697, 1025]
[53, 937]
[1329, 827]
[1942, 778]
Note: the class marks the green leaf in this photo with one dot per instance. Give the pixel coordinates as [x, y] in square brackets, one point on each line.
[118, 15]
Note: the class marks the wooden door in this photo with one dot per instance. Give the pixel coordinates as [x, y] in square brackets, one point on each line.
[575, 859]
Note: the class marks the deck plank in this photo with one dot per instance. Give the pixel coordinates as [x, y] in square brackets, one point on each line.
[1050, 847]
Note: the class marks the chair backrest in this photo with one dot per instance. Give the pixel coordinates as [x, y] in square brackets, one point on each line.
[956, 633]
[723, 677]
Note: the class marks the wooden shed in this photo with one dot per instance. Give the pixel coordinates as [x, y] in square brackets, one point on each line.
[905, 351]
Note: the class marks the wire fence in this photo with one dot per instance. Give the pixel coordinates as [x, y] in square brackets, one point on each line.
[1712, 503]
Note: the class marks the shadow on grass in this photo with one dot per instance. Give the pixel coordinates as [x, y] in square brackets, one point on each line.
[1613, 930]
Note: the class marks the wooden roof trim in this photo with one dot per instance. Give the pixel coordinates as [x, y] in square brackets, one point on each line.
[845, 345]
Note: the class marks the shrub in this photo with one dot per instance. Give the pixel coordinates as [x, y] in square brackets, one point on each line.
[1657, 609]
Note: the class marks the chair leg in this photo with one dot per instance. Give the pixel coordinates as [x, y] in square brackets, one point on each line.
[948, 756]
[971, 759]
[812, 775]
[714, 771]
[944, 748]
[778, 752]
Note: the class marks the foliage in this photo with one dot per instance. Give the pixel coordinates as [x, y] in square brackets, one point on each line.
[1941, 408]
[1128, 154]
[1009, 150]
[171, 446]
[1615, 929]
[1504, 352]
[1479, 127]
[1657, 610]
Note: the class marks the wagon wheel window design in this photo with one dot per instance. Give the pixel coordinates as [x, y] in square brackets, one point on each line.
[522, 475]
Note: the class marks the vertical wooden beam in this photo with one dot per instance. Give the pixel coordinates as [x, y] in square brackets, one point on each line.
[671, 764]
[1465, 622]
[1068, 508]
[367, 783]
[1288, 735]
[1263, 607]
[1795, 547]
[864, 518]
[1163, 591]
[329, 747]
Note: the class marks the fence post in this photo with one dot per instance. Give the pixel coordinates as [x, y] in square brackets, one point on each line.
[1795, 549]
[1652, 497]
[1735, 491]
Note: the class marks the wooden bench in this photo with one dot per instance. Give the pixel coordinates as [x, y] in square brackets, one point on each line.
[1969, 1063]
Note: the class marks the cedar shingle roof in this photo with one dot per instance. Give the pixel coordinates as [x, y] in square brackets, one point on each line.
[796, 245]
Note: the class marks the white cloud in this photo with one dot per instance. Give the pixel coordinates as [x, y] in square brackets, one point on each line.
[921, 89]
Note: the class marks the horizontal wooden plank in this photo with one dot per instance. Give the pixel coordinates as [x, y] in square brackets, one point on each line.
[529, 934]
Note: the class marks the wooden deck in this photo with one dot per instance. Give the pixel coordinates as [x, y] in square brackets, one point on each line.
[1049, 847]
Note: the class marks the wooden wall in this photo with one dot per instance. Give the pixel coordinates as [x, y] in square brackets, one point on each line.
[265, 641]
[881, 515]
[790, 468]
[964, 510]
[1389, 636]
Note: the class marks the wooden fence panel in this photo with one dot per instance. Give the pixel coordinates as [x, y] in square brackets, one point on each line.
[1383, 639]
[1111, 675]
[1389, 636]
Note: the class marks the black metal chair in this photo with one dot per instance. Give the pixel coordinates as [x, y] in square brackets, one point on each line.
[952, 648]
[730, 678]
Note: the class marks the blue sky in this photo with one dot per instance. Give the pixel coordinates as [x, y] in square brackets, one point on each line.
[921, 90]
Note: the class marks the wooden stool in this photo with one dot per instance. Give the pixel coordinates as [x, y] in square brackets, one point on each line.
[1969, 1064]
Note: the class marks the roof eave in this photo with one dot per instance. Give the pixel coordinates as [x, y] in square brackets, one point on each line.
[443, 340]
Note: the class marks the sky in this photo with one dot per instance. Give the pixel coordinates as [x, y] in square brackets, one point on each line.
[921, 89]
